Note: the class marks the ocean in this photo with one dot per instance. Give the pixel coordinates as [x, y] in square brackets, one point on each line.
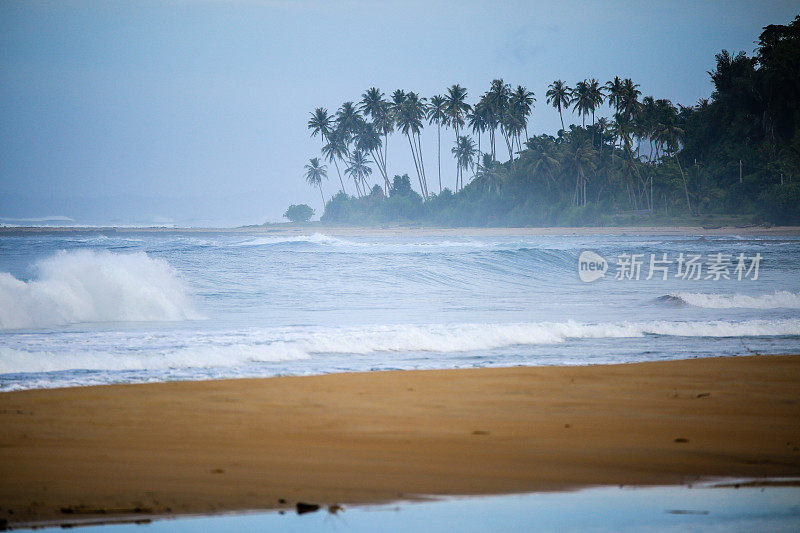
[86, 309]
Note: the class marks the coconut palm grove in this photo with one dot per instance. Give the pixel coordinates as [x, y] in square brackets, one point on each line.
[628, 158]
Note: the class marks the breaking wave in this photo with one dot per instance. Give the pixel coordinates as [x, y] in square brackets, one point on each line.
[144, 352]
[94, 286]
[776, 300]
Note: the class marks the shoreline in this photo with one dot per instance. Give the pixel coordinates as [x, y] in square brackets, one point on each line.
[412, 231]
[205, 447]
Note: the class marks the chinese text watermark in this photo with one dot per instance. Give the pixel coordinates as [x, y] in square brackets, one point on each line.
[686, 266]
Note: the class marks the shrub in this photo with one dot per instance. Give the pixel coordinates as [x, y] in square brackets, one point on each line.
[299, 213]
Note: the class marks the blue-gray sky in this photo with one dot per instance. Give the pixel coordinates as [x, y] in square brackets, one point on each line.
[194, 112]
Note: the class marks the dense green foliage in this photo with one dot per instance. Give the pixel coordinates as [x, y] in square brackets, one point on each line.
[736, 153]
[299, 213]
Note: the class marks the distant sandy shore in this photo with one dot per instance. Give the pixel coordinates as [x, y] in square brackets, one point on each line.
[305, 229]
[204, 447]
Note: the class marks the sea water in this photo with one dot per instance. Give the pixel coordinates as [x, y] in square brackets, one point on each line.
[605, 509]
[96, 308]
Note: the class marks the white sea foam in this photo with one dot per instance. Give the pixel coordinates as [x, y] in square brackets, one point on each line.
[778, 299]
[316, 238]
[201, 356]
[115, 351]
[94, 286]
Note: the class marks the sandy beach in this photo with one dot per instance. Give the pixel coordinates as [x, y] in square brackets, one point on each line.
[204, 447]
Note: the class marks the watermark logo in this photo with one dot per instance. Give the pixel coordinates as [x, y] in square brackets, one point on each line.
[685, 266]
[591, 266]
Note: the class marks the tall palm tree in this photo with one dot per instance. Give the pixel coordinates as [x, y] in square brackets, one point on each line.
[321, 123]
[336, 149]
[522, 104]
[499, 96]
[615, 93]
[348, 121]
[464, 152]
[596, 95]
[315, 171]
[375, 106]
[630, 97]
[358, 168]
[456, 108]
[559, 95]
[582, 100]
[410, 112]
[478, 121]
[437, 112]
[490, 118]
[368, 139]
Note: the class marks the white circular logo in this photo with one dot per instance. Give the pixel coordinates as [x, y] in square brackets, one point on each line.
[591, 266]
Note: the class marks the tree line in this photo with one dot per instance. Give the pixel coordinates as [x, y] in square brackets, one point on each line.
[737, 152]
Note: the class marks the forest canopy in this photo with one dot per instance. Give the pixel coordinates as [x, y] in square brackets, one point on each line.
[736, 153]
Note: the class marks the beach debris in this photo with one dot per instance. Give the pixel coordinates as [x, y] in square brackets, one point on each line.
[681, 440]
[82, 509]
[704, 395]
[281, 501]
[303, 508]
[480, 432]
[217, 471]
[335, 508]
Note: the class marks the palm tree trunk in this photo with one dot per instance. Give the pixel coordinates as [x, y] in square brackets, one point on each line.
[323, 198]
[685, 187]
[422, 164]
[416, 165]
[439, 143]
[562, 117]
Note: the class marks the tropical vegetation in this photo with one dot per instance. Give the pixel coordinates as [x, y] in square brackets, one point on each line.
[299, 213]
[629, 158]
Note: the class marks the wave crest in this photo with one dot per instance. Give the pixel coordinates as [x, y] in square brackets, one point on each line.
[776, 300]
[94, 286]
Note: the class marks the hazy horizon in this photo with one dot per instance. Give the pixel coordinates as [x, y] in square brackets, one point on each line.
[194, 113]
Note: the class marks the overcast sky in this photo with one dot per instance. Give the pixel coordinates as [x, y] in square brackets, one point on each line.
[194, 112]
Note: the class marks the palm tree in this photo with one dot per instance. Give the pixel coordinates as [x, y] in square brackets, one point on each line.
[490, 118]
[541, 155]
[464, 152]
[336, 149]
[477, 120]
[375, 106]
[348, 121]
[582, 159]
[359, 169]
[456, 108]
[630, 97]
[490, 175]
[320, 122]
[437, 113]
[582, 100]
[615, 93]
[368, 139]
[409, 115]
[559, 96]
[596, 95]
[522, 104]
[498, 97]
[314, 174]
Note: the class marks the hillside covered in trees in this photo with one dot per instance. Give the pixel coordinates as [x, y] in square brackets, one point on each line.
[735, 153]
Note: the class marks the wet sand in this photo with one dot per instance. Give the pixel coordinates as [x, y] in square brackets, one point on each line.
[203, 447]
